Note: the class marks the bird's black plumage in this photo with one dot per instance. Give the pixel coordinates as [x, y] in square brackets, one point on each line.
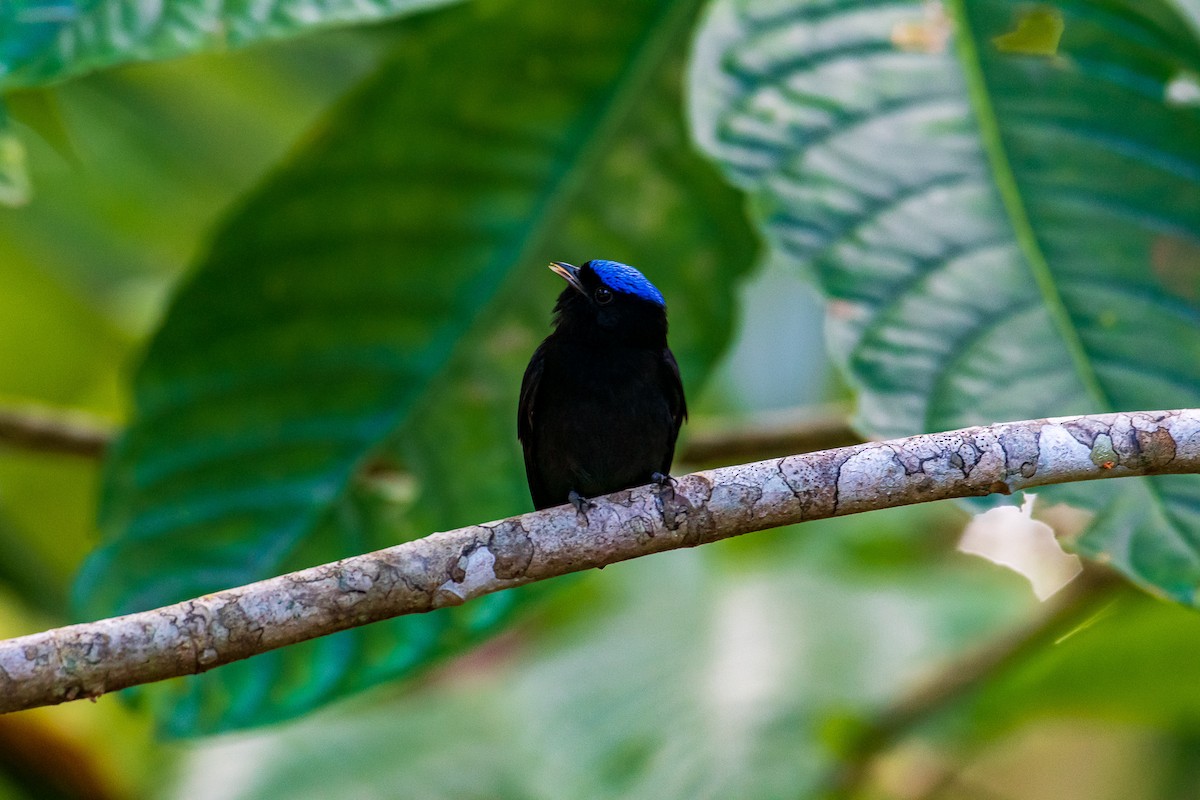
[601, 401]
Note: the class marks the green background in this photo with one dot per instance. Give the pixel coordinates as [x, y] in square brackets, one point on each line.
[308, 239]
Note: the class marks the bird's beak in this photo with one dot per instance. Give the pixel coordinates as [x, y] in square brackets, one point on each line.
[569, 273]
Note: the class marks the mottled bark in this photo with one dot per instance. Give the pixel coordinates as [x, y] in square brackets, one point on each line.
[455, 566]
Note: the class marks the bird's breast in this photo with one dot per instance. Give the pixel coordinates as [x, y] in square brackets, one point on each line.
[604, 419]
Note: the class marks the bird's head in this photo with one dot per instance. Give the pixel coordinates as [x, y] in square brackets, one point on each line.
[610, 301]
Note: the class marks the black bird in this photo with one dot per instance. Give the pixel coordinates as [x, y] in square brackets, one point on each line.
[601, 401]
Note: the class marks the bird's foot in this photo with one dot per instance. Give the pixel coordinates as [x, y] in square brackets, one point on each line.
[665, 482]
[668, 500]
[582, 505]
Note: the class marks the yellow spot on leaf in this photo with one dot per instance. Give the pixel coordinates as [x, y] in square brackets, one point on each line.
[1176, 263]
[1037, 33]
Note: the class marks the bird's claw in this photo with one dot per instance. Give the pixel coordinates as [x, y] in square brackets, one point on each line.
[668, 500]
[581, 503]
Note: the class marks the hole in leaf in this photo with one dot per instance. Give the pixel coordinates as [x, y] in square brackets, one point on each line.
[1183, 90]
[928, 35]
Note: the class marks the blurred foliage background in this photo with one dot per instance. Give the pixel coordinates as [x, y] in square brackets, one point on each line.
[273, 244]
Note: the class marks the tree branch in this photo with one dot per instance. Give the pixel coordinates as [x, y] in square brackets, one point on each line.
[452, 567]
[69, 434]
[771, 435]
[767, 436]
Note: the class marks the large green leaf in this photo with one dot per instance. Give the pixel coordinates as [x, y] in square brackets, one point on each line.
[1002, 204]
[47, 40]
[382, 293]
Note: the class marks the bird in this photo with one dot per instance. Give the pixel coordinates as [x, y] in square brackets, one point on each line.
[601, 401]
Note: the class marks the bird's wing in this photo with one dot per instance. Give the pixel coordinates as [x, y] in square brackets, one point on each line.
[673, 385]
[673, 391]
[529, 387]
[525, 428]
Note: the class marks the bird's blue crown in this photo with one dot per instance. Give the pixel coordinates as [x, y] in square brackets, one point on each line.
[624, 278]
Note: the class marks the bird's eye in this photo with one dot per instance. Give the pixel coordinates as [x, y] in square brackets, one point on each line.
[603, 295]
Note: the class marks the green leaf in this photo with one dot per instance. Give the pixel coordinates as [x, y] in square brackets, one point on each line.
[14, 179]
[154, 155]
[1137, 661]
[380, 296]
[999, 236]
[38, 109]
[42, 41]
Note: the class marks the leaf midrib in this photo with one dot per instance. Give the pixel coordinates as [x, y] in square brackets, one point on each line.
[1014, 206]
[553, 205]
[1010, 194]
